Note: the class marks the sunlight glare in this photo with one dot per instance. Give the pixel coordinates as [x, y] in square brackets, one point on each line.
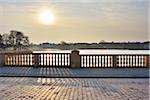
[46, 17]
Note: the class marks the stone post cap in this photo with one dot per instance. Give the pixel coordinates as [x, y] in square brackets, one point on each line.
[73, 51]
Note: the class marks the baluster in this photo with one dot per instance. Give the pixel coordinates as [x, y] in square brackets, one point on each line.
[58, 60]
[11, 59]
[107, 61]
[86, 61]
[90, 61]
[15, 59]
[45, 59]
[104, 61]
[111, 61]
[107, 58]
[124, 60]
[135, 61]
[68, 57]
[83, 61]
[28, 59]
[100, 62]
[95, 61]
[53, 59]
[139, 58]
[32, 60]
[39, 60]
[64, 59]
[132, 60]
[20, 59]
[49, 59]
[25, 59]
[121, 58]
[120, 61]
[141, 61]
[129, 60]
[108, 65]
[82, 64]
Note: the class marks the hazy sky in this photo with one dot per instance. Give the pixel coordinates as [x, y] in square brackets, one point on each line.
[77, 20]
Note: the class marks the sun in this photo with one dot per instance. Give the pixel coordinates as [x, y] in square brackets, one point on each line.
[46, 17]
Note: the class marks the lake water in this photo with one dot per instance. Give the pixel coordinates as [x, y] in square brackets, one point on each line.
[96, 51]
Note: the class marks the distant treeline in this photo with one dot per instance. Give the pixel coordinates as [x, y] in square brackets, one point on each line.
[101, 45]
[16, 40]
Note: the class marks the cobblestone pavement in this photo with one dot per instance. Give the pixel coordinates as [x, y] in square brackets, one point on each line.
[71, 72]
[13, 88]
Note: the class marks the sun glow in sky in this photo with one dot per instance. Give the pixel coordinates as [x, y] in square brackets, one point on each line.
[76, 20]
[46, 17]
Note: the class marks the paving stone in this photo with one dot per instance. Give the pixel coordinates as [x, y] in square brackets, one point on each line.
[14, 88]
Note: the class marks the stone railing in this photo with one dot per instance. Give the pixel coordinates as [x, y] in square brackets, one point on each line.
[73, 59]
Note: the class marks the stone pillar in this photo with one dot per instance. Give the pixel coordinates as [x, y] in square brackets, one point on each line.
[114, 61]
[2, 59]
[75, 59]
[147, 61]
[36, 59]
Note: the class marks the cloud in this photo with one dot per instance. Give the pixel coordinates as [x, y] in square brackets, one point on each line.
[96, 19]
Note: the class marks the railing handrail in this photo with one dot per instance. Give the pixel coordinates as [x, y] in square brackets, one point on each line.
[51, 53]
[28, 52]
[114, 54]
[15, 52]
